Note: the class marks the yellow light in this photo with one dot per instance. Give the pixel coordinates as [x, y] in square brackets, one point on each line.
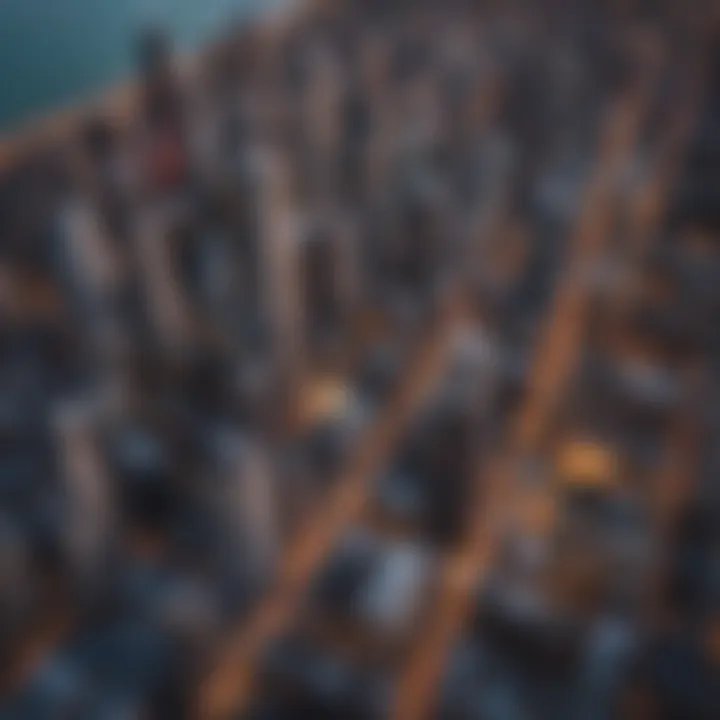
[587, 464]
[323, 399]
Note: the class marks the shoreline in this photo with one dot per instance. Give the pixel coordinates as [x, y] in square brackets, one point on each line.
[117, 101]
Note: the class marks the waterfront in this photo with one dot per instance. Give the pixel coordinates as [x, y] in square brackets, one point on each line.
[55, 54]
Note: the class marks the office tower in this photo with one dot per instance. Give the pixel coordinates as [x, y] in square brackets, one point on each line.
[248, 507]
[330, 294]
[163, 147]
[279, 303]
[89, 522]
[163, 296]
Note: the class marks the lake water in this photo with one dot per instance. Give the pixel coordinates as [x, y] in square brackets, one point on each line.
[57, 52]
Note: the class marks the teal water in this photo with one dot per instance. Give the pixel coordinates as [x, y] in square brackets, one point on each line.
[54, 53]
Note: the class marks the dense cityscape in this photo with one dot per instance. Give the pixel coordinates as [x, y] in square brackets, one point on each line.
[365, 366]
